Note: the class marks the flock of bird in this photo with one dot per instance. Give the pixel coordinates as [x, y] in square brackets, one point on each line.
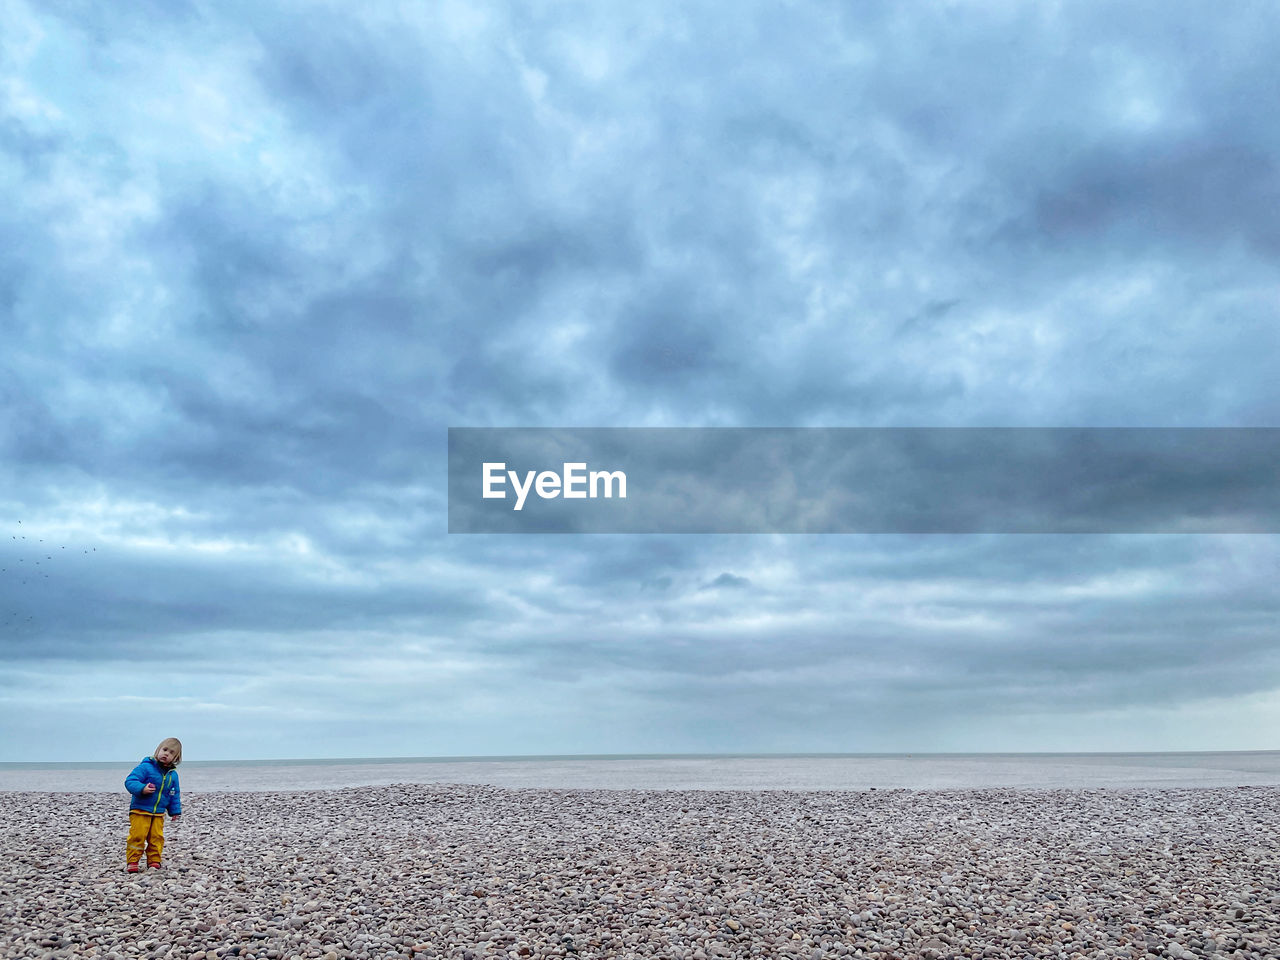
[16, 572]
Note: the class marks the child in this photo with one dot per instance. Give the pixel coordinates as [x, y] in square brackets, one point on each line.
[154, 786]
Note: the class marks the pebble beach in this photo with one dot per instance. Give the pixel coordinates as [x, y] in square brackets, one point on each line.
[471, 871]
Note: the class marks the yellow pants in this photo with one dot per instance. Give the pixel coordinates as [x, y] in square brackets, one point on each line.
[146, 833]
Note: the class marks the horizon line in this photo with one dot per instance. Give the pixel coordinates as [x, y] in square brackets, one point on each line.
[492, 758]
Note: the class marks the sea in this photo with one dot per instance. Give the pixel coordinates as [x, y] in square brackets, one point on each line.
[951, 771]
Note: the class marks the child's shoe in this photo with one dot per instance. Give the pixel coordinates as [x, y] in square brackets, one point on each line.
[132, 866]
[154, 864]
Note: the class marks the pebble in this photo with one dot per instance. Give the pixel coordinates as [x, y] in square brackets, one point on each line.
[418, 872]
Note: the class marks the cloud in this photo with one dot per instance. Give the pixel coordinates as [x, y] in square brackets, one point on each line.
[256, 260]
[727, 581]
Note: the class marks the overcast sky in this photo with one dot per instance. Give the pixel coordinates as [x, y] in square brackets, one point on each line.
[256, 259]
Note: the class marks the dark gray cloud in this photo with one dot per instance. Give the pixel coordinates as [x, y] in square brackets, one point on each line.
[255, 260]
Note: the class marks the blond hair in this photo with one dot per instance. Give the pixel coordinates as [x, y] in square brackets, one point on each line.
[174, 744]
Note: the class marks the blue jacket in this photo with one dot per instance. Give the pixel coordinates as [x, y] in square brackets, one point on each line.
[166, 796]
